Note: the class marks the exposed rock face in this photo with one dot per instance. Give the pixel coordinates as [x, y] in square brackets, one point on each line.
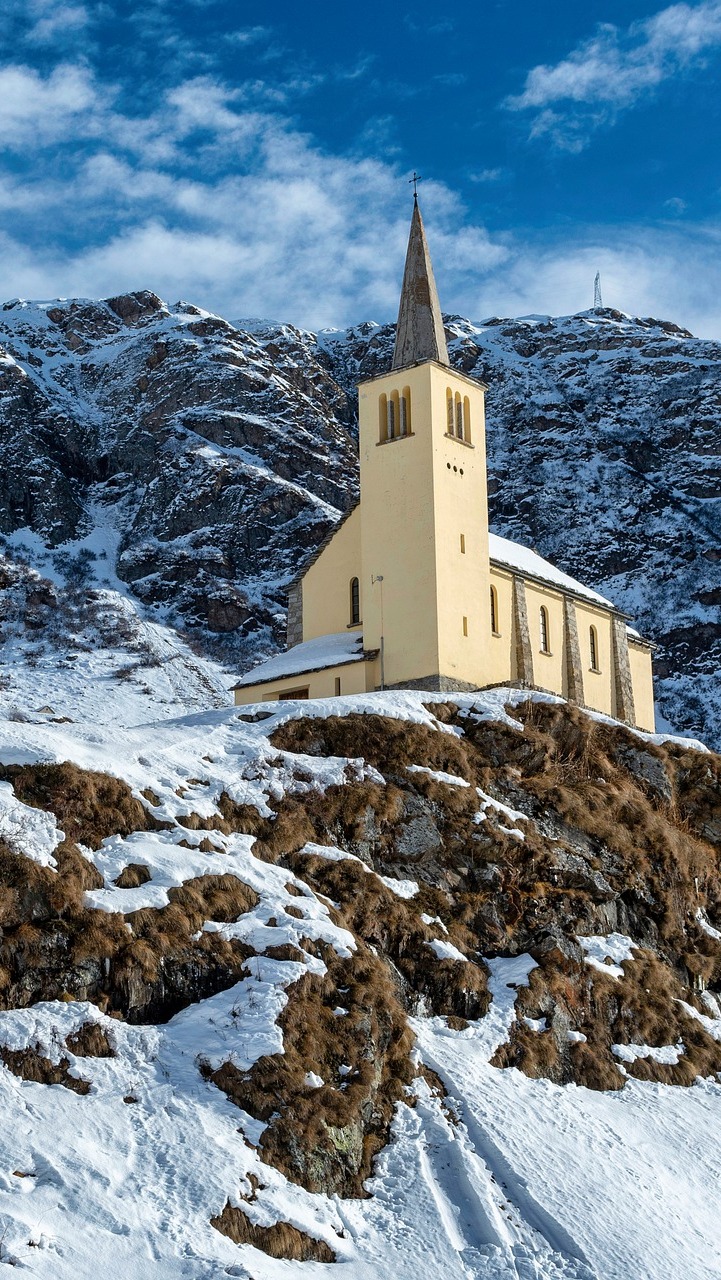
[212, 460]
[216, 461]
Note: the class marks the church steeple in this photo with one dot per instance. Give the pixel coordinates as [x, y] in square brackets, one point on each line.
[419, 334]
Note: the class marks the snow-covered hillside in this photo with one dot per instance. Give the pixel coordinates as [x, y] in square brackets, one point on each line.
[377, 982]
[192, 465]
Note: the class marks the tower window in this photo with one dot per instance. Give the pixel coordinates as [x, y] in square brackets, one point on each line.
[459, 417]
[593, 642]
[465, 626]
[545, 633]
[406, 411]
[463, 544]
[467, 419]
[393, 415]
[383, 417]
[354, 602]
[494, 611]
[449, 410]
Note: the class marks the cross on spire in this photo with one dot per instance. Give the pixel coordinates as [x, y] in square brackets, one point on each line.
[415, 180]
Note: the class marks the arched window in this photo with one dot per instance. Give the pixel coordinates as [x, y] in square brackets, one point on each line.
[393, 415]
[494, 611]
[459, 417]
[466, 419]
[406, 411]
[449, 408]
[354, 602]
[383, 417]
[545, 633]
[593, 641]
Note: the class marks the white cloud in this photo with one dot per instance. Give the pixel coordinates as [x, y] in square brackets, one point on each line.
[613, 69]
[486, 175]
[60, 21]
[36, 111]
[672, 272]
[206, 199]
[247, 35]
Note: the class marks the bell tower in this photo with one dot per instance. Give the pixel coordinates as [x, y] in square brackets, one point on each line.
[424, 538]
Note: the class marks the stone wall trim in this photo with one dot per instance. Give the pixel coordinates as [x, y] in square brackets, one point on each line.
[572, 653]
[294, 633]
[524, 652]
[623, 684]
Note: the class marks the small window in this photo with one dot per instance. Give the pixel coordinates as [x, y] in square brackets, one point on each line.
[494, 611]
[545, 633]
[593, 642]
[337, 686]
[463, 544]
[406, 411]
[459, 417]
[393, 415]
[465, 626]
[383, 417]
[297, 694]
[466, 419]
[449, 407]
[354, 602]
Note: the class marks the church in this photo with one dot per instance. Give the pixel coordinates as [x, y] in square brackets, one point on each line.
[411, 589]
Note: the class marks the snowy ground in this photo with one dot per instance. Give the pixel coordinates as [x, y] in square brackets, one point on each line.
[507, 1179]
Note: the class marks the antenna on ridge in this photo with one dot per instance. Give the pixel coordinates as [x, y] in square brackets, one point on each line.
[597, 299]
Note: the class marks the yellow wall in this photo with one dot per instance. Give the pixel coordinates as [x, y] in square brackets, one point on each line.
[461, 505]
[549, 669]
[642, 678]
[598, 686]
[415, 508]
[501, 657]
[326, 585]
[355, 677]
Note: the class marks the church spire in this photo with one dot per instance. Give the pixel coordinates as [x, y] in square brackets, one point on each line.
[419, 333]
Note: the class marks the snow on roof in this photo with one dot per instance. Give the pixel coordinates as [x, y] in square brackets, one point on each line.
[314, 655]
[513, 556]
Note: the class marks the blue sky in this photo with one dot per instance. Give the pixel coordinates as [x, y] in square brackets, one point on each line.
[254, 158]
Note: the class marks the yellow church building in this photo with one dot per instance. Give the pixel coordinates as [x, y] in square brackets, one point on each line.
[411, 590]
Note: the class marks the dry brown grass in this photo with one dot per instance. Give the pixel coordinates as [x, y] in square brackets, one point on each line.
[389, 745]
[90, 1041]
[281, 1240]
[132, 876]
[30, 1064]
[89, 806]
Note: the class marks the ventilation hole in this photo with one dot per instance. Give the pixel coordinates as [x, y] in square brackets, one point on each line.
[448, 465]
[455, 468]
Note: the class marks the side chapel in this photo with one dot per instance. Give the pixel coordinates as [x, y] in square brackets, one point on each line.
[411, 590]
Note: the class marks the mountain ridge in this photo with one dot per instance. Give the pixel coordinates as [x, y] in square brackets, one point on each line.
[207, 462]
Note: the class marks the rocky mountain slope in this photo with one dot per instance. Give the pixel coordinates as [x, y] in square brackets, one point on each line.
[191, 465]
[309, 987]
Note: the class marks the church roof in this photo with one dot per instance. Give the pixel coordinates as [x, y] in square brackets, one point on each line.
[419, 333]
[511, 555]
[313, 655]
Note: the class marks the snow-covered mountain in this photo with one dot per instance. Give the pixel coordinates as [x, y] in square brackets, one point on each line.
[188, 467]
